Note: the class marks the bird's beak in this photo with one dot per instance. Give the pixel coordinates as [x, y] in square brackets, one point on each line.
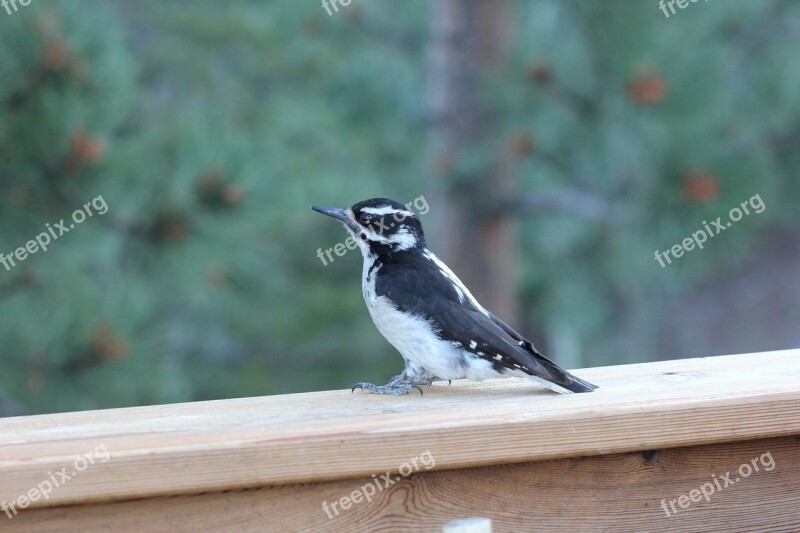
[335, 212]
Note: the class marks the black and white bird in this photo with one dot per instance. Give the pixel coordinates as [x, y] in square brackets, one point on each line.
[428, 315]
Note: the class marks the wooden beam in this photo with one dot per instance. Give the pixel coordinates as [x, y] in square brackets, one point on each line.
[300, 438]
[619, 492]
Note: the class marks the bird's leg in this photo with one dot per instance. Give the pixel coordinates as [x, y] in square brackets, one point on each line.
[401, 384]
[394, 389]
[400, 378]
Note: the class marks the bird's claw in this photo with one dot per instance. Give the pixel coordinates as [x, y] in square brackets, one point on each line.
[393, 388]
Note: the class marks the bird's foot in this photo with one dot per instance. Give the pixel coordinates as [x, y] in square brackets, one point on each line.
[394, 387]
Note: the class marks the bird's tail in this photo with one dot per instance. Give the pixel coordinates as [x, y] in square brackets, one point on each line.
[564, 382]
[579, 385]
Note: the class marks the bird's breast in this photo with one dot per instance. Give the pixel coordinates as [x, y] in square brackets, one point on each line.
[411, 335]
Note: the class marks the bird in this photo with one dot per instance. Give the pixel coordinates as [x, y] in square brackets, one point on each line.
[421, 307]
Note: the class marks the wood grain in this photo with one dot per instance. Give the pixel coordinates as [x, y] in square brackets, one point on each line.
[255, 442]
[619, 492]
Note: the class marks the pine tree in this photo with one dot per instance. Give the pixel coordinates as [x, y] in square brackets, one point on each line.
[208, 130]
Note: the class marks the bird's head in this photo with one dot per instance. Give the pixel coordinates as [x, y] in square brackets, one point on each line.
[379, 225]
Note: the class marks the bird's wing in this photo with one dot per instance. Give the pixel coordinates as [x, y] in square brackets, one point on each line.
[476, 331]
[522, 341]
[481, 334]
[576, 384]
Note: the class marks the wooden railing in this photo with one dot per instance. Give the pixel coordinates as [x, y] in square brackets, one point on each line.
[695, 444]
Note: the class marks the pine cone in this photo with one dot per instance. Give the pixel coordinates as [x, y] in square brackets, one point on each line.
[522, 145]
[700, 186]
[85, 150]
[648, 89]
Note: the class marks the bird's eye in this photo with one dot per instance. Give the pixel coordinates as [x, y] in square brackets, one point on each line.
[363, 218]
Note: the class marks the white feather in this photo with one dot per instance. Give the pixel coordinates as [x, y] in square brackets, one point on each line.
[388, 210]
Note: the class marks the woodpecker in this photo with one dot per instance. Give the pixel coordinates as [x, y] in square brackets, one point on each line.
[421, 307]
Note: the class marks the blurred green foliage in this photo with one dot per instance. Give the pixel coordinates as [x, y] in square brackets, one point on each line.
[210, 127]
